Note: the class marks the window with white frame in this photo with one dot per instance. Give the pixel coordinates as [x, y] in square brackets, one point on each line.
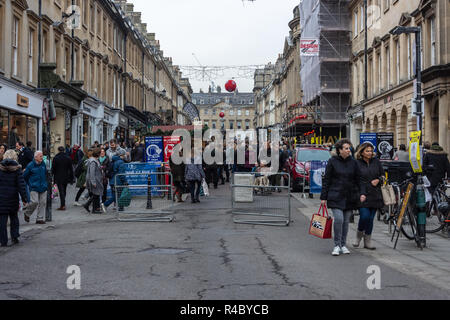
[247, 112]
[361, 23]
[409, 55]
[433, 40]
[231, 112]
[397, 60]
[388, 67]
[355, 26]
[231, 124]
[379, 71]
[82, 73]
[30, 54]
[239, 113]
[239, 125]
[247, 124]
[15, 48]
[386, 4]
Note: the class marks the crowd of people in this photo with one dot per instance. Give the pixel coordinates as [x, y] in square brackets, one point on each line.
[23, 173]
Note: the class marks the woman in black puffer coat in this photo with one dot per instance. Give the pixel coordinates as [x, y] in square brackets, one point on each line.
[341, 191]
[372, 173]
[12, 185]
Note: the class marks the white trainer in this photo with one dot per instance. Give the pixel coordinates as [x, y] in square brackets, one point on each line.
[344, 250]
[76, 204]
[103, 208]
[336, 251]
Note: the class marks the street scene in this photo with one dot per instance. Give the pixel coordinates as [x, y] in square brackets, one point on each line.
[140, 163]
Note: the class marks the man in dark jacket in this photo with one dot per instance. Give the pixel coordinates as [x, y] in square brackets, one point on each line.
[35, 176]
[62, 171]
[437, 157]
[12, 185]
[137, 154]
[25, 154]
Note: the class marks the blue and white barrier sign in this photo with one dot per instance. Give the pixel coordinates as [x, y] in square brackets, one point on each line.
[316, 172]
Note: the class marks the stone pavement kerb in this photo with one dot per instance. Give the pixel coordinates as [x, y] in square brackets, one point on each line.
[432, 264]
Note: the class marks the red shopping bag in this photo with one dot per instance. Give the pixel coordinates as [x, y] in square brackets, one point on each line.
[321, 224]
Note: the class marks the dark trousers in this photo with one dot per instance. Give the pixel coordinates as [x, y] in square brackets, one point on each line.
[195, 193]
[62, 188]
[95, 201]
[227, 171]
[220, 173]
[366, 218]
[14, 227]
[212, 175]
[105, 191]
[79, 193]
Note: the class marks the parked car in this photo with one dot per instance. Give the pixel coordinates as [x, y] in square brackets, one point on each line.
[300, 164]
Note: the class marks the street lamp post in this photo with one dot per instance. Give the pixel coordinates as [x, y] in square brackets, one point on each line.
[420, 192]
[418, 98]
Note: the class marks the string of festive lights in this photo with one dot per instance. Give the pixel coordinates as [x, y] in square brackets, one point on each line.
[209, 73]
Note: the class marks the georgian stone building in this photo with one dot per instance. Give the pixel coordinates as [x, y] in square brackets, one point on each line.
[114, 77]
[277, 86]
[391, 69]
[238, 109]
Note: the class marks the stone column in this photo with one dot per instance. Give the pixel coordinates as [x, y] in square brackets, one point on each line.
[444, 114]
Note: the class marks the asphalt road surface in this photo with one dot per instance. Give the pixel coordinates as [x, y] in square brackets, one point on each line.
[202, 255]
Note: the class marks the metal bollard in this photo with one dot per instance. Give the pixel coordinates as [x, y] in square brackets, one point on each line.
[149, 192]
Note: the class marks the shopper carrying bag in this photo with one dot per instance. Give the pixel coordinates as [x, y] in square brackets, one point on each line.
[321, 223]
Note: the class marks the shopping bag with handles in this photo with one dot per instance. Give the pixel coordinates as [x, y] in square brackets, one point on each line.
[321, 224]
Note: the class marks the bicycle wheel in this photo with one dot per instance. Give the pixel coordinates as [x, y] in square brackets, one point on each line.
[435, 219]
[409, 226]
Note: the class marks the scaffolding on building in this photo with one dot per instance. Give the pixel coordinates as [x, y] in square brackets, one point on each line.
[325, 74]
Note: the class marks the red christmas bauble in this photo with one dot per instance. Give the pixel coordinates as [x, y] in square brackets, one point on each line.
[222, 115]
[230, 86]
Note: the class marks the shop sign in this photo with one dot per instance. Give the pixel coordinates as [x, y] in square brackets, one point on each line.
[23, 101]
[154, 150]
[385, 146]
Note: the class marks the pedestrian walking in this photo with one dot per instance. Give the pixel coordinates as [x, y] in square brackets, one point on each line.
[117, 166]
[341, 191]
[25, 155]
[81, 179]
[3, 149]
[137, 153]
[62, 171]
[372, 173]
[104, 163]
[76, 155]
[35, 176]
[114, 149]
[13, 185]
[177, 171]
[194, 176]
[94, 182]
[401, 154]
[438, 158]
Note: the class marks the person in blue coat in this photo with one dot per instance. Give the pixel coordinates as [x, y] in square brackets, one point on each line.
[117, 166]
[11, 187]
[35, 176]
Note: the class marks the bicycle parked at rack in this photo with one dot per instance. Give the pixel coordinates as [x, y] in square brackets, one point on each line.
[409, 225]
[438, 211]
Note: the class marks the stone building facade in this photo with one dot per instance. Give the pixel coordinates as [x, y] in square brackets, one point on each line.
[114, 77]
[391, 58]
[238, 109]
[277, 86]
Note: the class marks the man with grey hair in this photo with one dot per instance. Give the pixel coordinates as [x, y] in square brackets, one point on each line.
[35, 176]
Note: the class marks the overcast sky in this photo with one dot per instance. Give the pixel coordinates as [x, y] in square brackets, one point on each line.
[219, 32]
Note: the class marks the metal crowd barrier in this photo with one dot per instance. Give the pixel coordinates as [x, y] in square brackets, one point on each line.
[252, 195]
[151, 197]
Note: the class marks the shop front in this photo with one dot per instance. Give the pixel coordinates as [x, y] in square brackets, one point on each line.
[137, 124]
[109, 124]
[121, 132]
[20, 115]
[67, 106]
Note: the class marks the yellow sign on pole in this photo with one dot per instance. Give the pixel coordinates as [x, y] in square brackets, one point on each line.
[414, 151]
